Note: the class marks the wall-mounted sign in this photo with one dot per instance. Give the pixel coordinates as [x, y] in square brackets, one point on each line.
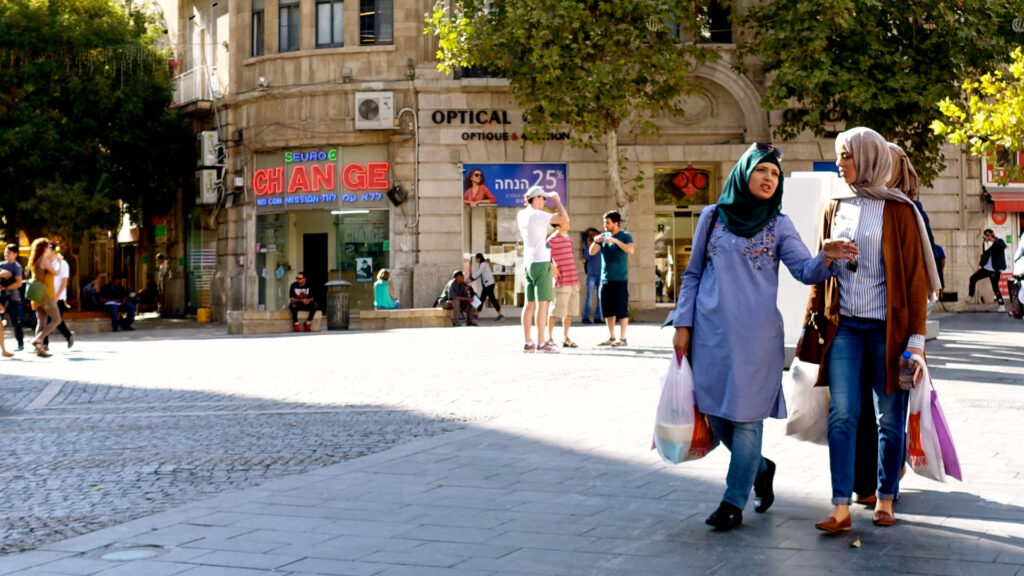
[487, 125]
[328, 178]
[470, 117]
[505, 184]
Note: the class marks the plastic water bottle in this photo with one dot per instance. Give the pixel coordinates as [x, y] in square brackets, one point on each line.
[908, 366]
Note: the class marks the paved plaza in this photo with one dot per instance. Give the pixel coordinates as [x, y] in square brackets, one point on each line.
[178, 450]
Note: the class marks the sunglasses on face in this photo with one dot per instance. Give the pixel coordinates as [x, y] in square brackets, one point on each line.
[769, 148]
[475, 174]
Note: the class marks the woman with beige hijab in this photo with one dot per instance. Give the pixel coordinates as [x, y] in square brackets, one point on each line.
[869, 314]
[903, 178]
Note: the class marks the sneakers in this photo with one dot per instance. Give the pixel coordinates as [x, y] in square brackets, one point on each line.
[71, 339]
[547, 347]
[500, 317]
[308, 326]
[295, 327]
[586, 321]
[529, 347]
[1001, 308]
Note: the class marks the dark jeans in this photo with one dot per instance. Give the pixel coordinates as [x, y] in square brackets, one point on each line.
[488, 294]
[115, 315]
[992, 276]
[14, 313]
[296, 306]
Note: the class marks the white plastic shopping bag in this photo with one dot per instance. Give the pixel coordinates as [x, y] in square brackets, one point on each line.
[681, 432]
[924, 454]
[807, 404]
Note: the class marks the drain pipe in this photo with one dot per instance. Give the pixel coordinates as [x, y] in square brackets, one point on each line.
[962, 175]
[416, 162]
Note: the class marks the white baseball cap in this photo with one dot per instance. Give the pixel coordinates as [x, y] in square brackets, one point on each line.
[535, 191]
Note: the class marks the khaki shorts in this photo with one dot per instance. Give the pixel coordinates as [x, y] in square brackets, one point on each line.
[567, 301]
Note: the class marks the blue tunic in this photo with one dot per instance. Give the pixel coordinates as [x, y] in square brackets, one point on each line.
[737, 347]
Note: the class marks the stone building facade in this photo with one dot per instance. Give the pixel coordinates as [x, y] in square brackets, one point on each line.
[322, 108]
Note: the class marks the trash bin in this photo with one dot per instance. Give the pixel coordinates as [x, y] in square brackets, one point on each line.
[337, 304]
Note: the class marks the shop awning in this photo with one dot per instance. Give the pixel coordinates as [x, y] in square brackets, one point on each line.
[1007, 199]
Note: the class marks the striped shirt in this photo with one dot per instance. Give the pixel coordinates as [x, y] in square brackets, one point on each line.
[862, 291]
[564, 256]
[484, 274]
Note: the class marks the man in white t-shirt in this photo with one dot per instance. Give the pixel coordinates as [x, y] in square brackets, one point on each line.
[60, 286]
[534, 223]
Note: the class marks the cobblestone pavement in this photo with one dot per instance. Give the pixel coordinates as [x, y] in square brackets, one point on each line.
[80, 455]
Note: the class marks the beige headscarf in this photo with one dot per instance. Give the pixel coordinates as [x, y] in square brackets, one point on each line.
[904, 177]
[874, 167]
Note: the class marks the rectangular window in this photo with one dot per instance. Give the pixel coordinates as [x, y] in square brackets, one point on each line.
[257, 27]
[376, 22]
[288, 25]
[329, 23]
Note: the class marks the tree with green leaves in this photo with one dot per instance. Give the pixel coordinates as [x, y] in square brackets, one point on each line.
[877, 64]
[588, 65]
[84, 117]
[987, 116]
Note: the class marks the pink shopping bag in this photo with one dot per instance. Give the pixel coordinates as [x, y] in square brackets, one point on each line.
[949, 458]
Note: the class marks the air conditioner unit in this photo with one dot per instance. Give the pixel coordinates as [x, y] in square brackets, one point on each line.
[208, 149]
[207, 185]
[375, 110]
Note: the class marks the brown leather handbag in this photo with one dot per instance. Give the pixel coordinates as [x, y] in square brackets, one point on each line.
[813, 341]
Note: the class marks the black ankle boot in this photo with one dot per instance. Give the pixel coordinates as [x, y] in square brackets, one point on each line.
[764, 495]
[725, 518]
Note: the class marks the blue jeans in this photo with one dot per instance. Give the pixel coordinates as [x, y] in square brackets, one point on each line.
[593, 287]
[857, 366]
[743, 439]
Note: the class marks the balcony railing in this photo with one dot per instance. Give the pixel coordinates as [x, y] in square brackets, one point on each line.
[192, 86]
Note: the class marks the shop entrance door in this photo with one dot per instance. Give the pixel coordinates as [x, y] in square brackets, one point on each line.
[314, 263]
[673, 240]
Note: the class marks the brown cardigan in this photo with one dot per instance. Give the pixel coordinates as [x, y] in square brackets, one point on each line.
[906, 289]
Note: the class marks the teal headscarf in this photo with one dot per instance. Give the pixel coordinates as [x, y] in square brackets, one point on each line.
[739, 210]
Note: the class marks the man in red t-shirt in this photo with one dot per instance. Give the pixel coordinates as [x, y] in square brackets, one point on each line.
[567, 283]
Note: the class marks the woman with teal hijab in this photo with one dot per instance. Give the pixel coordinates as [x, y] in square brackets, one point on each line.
[729, 327]
[739, 210]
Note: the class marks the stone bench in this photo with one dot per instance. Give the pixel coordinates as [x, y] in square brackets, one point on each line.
[404, 318]
[87, 321]
[269, 322]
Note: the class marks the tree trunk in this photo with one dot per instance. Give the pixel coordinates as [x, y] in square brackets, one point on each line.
[614, 174]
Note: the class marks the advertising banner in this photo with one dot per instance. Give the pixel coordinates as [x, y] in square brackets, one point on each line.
[505, 184]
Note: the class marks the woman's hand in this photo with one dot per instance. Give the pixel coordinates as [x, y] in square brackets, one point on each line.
[841, 249]
[918, 374]
[681, 342]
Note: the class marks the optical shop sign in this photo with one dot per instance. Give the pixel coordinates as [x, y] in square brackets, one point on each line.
[505, 184]
[320, 178]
